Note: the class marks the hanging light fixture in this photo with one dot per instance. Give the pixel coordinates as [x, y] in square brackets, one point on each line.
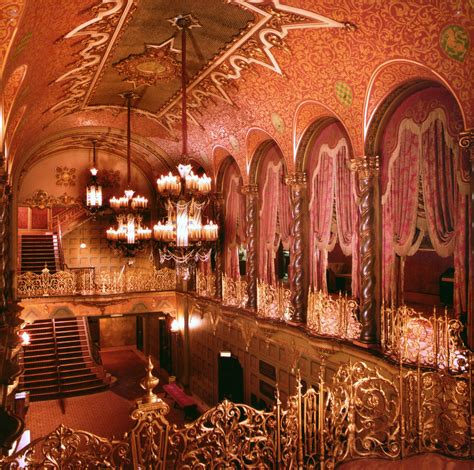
[131, 233]
[182, 236]
[93, 188]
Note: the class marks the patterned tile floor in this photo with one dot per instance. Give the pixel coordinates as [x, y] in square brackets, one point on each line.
[106, 413]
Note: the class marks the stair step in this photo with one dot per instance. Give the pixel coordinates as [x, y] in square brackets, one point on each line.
[65, 358]
[74, 392]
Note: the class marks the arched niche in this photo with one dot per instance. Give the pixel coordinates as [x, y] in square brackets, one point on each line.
[324, 155]
[424, 188]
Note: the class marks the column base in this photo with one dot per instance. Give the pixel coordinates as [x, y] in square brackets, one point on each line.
[360, 343]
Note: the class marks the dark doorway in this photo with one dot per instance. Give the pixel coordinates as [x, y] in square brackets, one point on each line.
[94, 329]
[165, 345]
[231, 379]
[140, 333]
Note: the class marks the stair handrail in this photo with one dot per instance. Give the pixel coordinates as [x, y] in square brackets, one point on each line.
[70, 213]
[62, 262]
[56, 355]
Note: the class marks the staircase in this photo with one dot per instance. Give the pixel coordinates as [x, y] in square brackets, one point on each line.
[58, 363]
[38, 251]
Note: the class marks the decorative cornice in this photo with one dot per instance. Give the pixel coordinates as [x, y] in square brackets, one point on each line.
[365, 167]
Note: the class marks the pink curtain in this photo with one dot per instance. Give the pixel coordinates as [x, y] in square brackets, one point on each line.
[234, 219]
[400, 207]
[445, 204]
[346, 212]
[275, 214]
[426, 154]
[321, 207]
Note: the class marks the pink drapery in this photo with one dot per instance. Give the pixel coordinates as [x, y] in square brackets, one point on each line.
[321, 207]
[429, 146]
[346, 212]
[445, 203]
[332, 191]
[400, 208]
[234, 220]
[274, 216]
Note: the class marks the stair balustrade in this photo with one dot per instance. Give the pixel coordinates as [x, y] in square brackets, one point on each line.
[87, 281]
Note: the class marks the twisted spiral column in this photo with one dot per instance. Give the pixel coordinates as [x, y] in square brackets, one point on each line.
[251, 192]
[367, 169]
[297, 184]
[219, 215]
[5, 286]
[466, 141]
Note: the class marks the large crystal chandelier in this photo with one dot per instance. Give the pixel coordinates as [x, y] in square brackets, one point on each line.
[93, 188]
[131, 233]
[182, 236]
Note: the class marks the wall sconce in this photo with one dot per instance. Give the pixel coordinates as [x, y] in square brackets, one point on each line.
[25, 338]
[174, 326]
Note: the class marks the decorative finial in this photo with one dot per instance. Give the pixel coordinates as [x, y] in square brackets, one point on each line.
[148, 383]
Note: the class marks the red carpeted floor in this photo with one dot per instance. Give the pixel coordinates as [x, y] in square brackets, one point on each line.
[106, 413]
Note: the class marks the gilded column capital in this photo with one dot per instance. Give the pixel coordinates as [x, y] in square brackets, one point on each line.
[466, 139]
[365, 167]
[296, 179]
[250, 189]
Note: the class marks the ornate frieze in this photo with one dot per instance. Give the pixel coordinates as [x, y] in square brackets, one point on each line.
[42, 200]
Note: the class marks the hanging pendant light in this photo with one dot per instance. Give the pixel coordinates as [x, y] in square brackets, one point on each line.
[130, 233]
[182, 236]
[93, 188]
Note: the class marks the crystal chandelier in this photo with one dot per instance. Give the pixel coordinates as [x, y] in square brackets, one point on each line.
[131, 233]
[93, 188]
[182, 236]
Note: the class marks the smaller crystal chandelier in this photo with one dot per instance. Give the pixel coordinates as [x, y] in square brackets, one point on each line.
[93, 188]
[182, 236]
[130, 234]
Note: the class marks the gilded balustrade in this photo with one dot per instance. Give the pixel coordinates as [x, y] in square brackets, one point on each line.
[434, 340]
[234, 292]
[88, 282]
[274, 302]
[206, 284]
[360, 413]
[332, 316]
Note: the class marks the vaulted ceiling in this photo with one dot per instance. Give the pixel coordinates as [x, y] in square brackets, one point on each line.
[256, 70]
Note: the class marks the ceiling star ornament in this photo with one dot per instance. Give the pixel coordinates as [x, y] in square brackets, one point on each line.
[158, 62]
[272, 23]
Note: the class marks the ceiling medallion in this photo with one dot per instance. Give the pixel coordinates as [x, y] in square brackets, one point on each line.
[158, 62]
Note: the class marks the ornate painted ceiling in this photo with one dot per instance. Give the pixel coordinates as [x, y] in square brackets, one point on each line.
[257, 69]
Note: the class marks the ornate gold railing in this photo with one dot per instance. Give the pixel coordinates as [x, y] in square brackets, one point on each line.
[361, 413]
[274, 303]
[434, 340]
[332, 316]
[89, 282]
[206, 284]
[234, 292]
